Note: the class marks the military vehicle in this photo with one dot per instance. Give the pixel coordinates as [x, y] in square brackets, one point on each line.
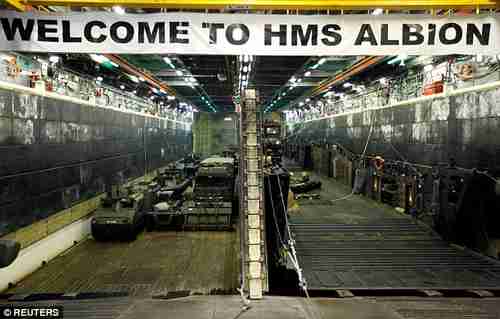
[120, 216]
[213, 194]
[271, 138]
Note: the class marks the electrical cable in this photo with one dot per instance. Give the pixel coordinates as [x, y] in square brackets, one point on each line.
[292, 254]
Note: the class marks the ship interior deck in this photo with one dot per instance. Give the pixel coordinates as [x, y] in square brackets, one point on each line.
[351, 242]
[157, 264]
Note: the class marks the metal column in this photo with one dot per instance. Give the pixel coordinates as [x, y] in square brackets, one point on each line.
[251, 197]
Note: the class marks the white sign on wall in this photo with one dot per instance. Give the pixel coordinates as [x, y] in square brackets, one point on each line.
[236, 34]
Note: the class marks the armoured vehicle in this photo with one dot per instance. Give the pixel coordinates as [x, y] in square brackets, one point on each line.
[119, 216]
[272, 147]
[213, 193]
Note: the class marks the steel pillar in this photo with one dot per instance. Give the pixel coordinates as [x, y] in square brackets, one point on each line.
[251, 197]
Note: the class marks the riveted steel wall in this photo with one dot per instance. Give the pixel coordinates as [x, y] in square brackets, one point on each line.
[54, 153]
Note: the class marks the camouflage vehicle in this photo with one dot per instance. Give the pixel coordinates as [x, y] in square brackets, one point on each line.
[213, 193]
[119, 217]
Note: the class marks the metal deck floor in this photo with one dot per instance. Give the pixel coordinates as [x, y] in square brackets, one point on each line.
[154, 264]
[358, 243]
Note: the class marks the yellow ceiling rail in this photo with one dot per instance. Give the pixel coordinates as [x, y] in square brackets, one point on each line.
[274, 4]
[16, 4]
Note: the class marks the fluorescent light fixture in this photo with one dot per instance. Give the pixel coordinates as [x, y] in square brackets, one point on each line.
[118, 9]
[54, 58]
[169, 62]
[99, 58]
[6, 57]
[428, 67]
[133, 78]
[308, 73]
[228, 119]
[378, 11]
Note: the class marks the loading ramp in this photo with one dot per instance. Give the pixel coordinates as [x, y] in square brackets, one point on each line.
[357, 244]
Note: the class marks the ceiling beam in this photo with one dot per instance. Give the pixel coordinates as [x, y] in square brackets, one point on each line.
[16, 4]
[134, 71]
[274, 4]
[357, 68]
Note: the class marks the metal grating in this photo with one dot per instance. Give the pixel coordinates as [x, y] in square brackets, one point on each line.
[388, 254]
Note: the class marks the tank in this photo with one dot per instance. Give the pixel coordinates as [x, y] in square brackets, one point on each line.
[121, 217]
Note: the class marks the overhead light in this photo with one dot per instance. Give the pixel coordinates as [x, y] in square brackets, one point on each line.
[245, 69]
[133, 78]
[169, 62]
[428, 68]
[378, 11]
[178, 72]
[347, 85]
[118, 9]
[122, 87]
[99, 78]
[99, 58]
[245, 58]
[6, 57]
[308, 73]
[228, 119]
[54, 58]
[308, 100]
[170, 97]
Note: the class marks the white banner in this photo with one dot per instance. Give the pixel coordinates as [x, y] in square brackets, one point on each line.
[235, 34]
